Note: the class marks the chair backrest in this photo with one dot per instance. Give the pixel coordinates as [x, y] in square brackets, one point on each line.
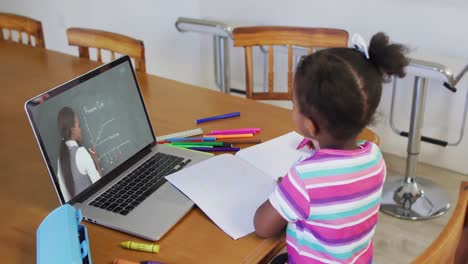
[451, 246]
[86, 38]
[310, 38]
[26, 27]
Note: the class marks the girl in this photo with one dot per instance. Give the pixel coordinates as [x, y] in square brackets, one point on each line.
[77, 169]
[330, 200]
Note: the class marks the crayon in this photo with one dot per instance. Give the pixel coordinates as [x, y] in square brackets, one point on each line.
[153, 248]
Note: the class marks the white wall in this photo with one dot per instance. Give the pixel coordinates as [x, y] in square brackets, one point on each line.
[434, 30]
[168, 53]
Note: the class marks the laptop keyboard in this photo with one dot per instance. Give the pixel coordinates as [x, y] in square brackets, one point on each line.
[134, 188]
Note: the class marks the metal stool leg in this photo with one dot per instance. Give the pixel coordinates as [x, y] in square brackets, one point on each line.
[407, 198]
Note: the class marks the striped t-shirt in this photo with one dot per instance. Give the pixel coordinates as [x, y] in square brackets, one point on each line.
[331, 201]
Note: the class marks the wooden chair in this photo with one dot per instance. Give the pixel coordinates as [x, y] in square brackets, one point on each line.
[26, 27]
[451, 246]
[309, 38]
[115, 43]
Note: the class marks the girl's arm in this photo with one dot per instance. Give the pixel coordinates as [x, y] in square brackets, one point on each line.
[93, 153]
[267, 221]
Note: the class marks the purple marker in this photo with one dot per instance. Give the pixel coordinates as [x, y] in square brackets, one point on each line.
[202, 120]
[215, 149]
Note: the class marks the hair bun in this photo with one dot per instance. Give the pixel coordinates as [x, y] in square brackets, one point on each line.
[388, 58]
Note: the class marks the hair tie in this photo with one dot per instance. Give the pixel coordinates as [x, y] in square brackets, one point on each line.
[360, 44]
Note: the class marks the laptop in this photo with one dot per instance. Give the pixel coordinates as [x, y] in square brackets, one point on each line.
[97, 141]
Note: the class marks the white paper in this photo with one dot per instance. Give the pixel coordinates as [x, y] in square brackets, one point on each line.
[228, 189]
[276, 156]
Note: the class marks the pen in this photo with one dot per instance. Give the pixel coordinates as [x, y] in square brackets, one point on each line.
[202, 120]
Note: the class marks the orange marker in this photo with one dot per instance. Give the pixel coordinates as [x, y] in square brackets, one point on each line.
[123, 261]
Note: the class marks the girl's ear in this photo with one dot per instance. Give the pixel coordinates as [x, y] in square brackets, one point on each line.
[72, 132]
[311, 127]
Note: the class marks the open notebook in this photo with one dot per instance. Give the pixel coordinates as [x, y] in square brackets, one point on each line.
[229, 188]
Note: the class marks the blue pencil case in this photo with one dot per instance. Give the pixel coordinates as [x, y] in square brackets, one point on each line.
[62, 239]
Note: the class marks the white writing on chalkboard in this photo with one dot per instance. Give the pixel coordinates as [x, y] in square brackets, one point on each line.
[101, 129]
[105, 136]
[99, 105]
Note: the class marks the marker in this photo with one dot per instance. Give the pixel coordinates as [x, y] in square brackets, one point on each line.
[207, 143]
[202, 120]
[191, 146]
[246, 141]
[234, 136]
[230, 133]
[235, 131]
[303, 143]
[215, 149]
[153, 248]
[197, 139]
[124, 261]
[188, 149]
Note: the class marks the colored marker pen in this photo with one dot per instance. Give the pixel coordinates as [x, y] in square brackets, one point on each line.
[153, 248]
[303, 143]
[202, 120]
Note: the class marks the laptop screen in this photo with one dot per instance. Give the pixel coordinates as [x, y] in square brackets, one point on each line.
[89, 126]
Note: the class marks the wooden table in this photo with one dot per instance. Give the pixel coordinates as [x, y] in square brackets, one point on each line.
[26, 192]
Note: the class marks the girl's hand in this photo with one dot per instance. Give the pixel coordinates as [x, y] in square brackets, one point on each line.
[93, 153]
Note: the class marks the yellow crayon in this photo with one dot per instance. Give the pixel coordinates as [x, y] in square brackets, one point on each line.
[153, 248]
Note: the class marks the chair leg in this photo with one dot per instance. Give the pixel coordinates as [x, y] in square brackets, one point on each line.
[408, 198]
[280, 259]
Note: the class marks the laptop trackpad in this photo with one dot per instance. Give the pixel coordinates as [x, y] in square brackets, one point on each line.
[152, 218]
[160, 211]
[167, 193]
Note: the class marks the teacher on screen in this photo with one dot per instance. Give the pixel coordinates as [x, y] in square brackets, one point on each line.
[77, 168]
